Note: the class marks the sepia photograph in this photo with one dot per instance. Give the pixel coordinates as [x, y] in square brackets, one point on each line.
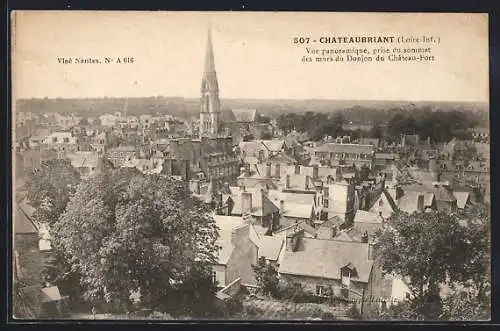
[272, 166]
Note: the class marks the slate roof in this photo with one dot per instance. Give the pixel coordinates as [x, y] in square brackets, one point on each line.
[345, 148]
[440, 193]
[83, 159]
[363, 216]
[325, 258]
[271, 247]
[409, 201]
[296, 205]
[22, 223]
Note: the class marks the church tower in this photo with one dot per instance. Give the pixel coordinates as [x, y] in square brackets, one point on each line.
[210, 103]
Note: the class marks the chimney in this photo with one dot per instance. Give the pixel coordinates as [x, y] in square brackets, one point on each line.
[297, 169]
[196, 186]
[294, 240]
[364, 238]
[168, 166]
[282, 207]
[239, 234]
[277, 170]
[315, 171]
[371, 251]
[338, 175]
[268, 170]
[394, 173]
[420, 203]
[287, 181]
[432, 164]
[334, 231]
[246, 203]
[186, 170]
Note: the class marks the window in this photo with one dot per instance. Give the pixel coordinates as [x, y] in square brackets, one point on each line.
[66, 140]
[214, 277]
[320, 290]
[346, 277]
[54, 139]
[325, 203]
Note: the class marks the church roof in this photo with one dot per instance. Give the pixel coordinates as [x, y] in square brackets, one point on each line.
[245, 115]
[227, 116]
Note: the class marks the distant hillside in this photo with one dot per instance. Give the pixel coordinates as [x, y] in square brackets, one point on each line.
[185, 108]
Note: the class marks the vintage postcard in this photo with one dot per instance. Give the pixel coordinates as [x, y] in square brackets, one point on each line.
[250, 166]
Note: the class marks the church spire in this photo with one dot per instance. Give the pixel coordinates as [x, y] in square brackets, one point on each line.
[210, 103]
[209, 55]
[209, 81]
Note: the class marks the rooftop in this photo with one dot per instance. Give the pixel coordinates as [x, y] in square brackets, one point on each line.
[325, 258]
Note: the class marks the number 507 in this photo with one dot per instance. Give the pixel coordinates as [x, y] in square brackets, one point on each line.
[301, 40]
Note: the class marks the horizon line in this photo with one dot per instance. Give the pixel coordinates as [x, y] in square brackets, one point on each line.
[250, 98]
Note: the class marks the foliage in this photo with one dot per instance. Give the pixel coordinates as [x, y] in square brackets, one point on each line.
[84, 121]
[125, 232]
[440, 125]
[437, 249]
[194, 296]
[470, 297]
[267, 277]
[292, 292]
[49, 189]
[354, 313]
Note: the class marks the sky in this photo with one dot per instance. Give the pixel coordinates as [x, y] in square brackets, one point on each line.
[254, 55]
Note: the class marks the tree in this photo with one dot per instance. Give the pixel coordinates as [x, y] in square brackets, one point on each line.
[125, 232]
[84, 122]
[470, 297]
[376, 131]
[429, 249]
[267, 277]
[49, 189]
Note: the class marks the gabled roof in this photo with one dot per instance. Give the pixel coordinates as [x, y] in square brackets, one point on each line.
[261, 205]
[385, 204]
[324, 259]
[409, 201]
[273, 145]
[462, 198]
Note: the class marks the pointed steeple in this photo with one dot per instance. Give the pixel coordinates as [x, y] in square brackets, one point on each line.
[209, 55]
[209, 81]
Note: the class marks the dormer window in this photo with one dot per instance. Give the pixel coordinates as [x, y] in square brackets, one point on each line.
[346, 273]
